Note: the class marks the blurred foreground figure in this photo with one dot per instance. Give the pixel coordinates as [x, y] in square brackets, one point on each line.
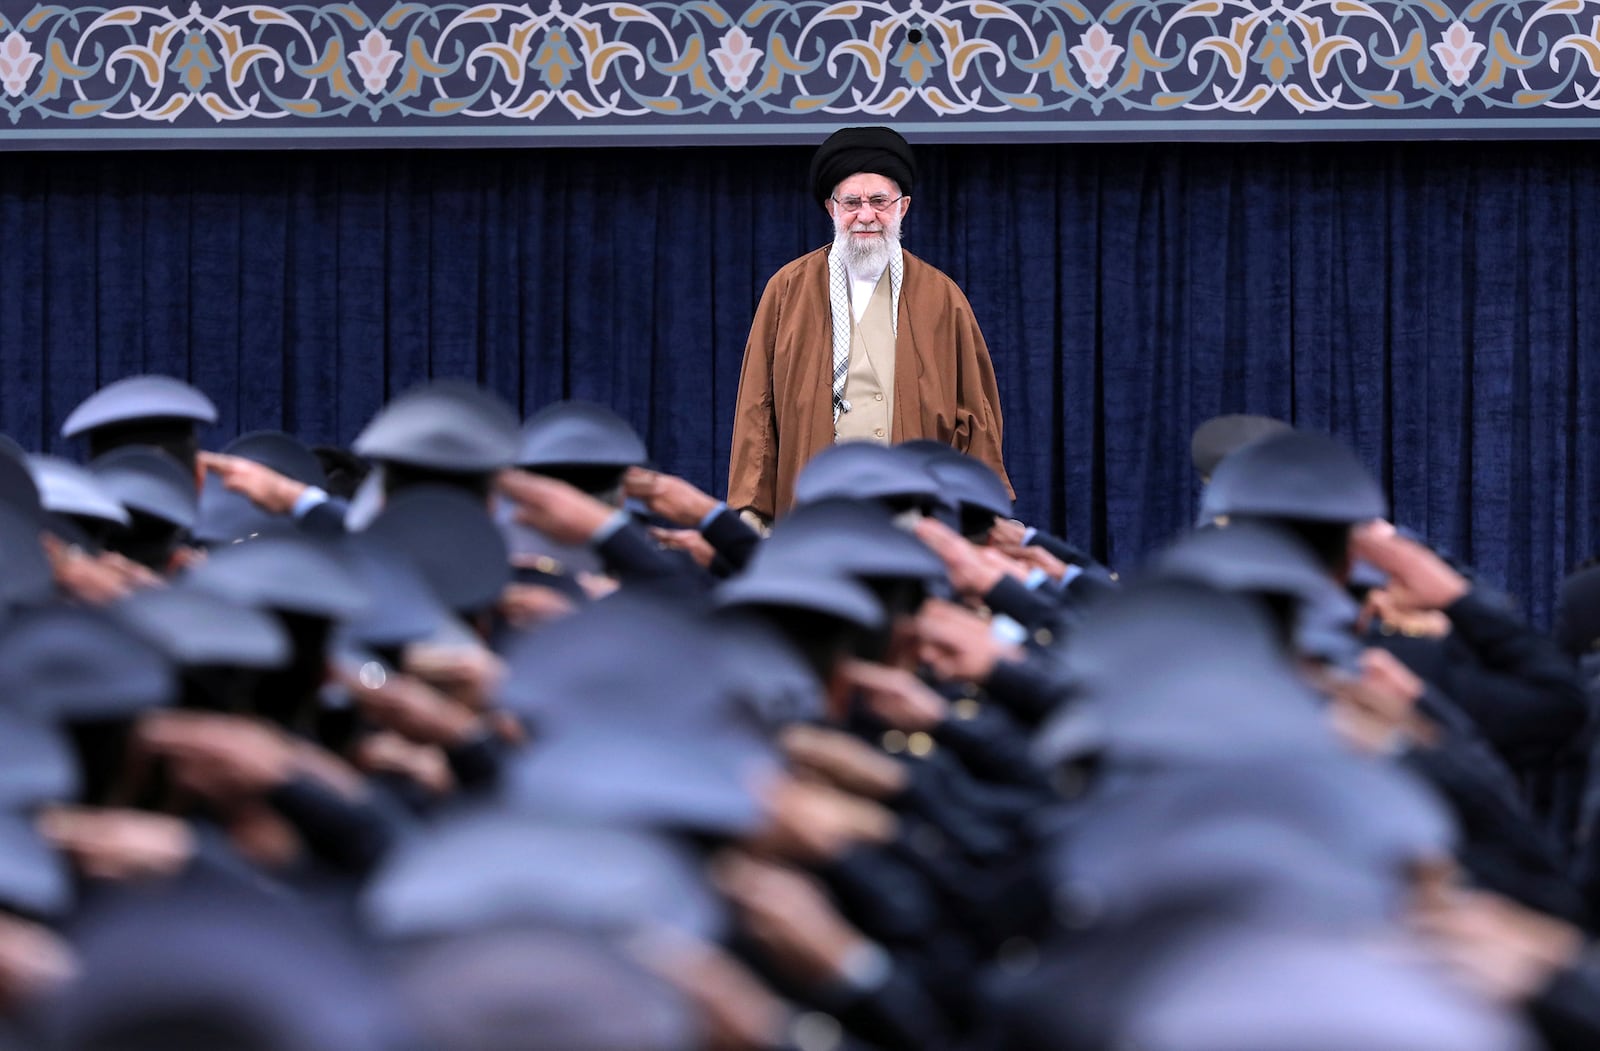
[536, 746]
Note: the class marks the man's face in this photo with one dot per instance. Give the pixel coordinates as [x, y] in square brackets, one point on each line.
[866, 228]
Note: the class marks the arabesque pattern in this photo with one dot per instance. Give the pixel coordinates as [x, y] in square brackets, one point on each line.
[963, 68]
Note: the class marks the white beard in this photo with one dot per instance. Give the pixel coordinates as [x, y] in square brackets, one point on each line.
[866, 256]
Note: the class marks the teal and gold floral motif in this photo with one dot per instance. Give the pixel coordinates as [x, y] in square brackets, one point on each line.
[915, 58]
[644, 66]
[555, 60]
[1277, 56]
[194, 62]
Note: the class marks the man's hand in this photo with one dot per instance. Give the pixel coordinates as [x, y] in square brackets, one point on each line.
[969, 572]
[788, 915]
[1034, 558]
[957, 643]
[1394, 688]
[107, 844]
[974, 571]
[689, 541]
[223, 758]
[34, 962]
[529, 605]
[562, 512]
[95, 580]
[469, 674]
[256, 482]
[597, 585]
[841, 760]
[1377, 709]
[1418, 578]
[412, 708]
[393, 754]
[896, 696]
[814, 824]
[1007, 532]
[668, 496]
[737, 1012]
[1503, 950]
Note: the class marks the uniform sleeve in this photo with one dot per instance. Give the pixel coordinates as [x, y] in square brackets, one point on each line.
[732, 538]
[1028, 689]
[350, 835]
[633, 558]
[1066, 552]
[1567, 1012]
[753, 465]
[1527, 697]
[326, 519]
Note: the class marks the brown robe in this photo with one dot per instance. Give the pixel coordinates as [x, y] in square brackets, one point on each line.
[944, 386]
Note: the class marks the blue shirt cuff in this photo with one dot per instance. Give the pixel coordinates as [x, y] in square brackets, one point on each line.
[1007, 631]
[711, 516]
[865, 968]
[610, 527]
[312, 497]
[1028, 534]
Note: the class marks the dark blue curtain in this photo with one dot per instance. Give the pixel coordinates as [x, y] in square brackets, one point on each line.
[1437, 304]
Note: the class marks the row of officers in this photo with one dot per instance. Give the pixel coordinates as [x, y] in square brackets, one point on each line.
[488, 735]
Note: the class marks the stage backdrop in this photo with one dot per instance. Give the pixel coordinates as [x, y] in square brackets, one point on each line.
[1436, 304]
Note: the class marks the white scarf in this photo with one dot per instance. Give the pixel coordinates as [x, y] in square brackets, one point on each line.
[843, 320]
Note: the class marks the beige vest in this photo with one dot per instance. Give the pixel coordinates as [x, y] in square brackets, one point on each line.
[869, 385]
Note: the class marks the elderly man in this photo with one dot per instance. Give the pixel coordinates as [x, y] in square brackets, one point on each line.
[859, 339]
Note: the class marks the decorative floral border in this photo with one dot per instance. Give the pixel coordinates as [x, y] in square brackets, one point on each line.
[362, 72]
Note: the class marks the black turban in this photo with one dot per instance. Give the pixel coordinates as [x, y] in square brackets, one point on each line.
[851, 150]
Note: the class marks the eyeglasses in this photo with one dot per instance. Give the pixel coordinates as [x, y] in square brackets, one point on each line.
[878, 202]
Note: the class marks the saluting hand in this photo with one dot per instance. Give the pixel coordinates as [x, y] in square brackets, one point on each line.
[973, 570]
[412, 708]
[113, 844]
[256, 482]
[34, 961]
[1418, 578]
[1007, 532]
[969, 572]
[1034, 558]
[468, 674]
[846, 762]
[562, 512]
[668, 496]
[896, 696]
[528, 605]
[1503, 950]
[814, 824]
[219, 757]
[689, 541]
[789, 915]
[1376, 710]
[426, 765]
[737, 1012]
[96, 580]
[957, 643]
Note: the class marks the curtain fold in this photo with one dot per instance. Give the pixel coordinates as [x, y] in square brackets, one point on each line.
[1437, 304]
